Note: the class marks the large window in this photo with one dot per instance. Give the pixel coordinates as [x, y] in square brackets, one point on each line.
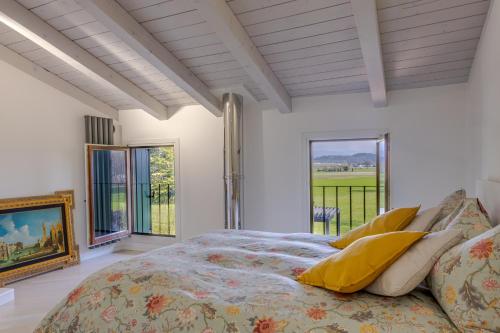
[131, 190]
[348, 183]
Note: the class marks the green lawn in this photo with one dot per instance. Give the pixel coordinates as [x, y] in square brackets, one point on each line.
[166, 225]
[356, 180]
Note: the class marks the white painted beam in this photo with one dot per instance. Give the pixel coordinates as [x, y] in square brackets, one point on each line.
[227, 27]
[54, 81]
[365, 16]
[117, 20]
[38, 31]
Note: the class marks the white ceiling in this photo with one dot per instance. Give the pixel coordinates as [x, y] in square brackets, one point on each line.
[428, 43]
[180, 28]
[311, 46]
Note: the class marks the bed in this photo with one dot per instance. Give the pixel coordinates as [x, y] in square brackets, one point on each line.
[234, 281]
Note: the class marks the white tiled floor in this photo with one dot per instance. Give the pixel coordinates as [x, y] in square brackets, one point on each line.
[37, 295]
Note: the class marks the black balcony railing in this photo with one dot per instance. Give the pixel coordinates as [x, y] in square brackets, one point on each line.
[345, 206]
[155, 213]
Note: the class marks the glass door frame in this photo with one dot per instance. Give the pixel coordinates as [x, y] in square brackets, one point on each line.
[177, 179]
[385, 140]
[311, 138]
[92, 240]
[134, 189]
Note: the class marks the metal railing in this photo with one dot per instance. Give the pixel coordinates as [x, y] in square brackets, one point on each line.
[156, 208]
[161, 208]
[345, 199]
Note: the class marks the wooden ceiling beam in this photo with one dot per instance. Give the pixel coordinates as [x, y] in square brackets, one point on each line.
[38, 31]
[227, 27]
[118, 21]
[365, 16]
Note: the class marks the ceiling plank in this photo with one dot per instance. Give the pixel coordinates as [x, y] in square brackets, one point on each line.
[227, 27]
[35, 29]
[54, 81]
[365, 16]
[117, 20]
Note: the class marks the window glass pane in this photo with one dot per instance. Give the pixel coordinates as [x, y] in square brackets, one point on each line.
[343, 185]
[109, 194]
[119, 191]
[155, 190]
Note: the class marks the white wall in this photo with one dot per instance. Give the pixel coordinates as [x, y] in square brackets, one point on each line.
[483, 104]
[42, 144]
[200, 136]
[426, 127]
[42, 134]
[42, 150]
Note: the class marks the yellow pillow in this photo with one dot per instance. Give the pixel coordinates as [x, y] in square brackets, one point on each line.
[359, 264]
[394, 220]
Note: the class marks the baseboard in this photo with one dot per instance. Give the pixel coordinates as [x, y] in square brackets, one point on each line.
[6, 295]
[97, 252]
[134, 243]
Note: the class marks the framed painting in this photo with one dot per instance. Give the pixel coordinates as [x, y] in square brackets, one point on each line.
[36, 236]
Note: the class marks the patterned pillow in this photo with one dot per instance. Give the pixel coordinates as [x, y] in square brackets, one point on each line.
[465, 281]
[450, 206]
[451, 202]
[470, 220]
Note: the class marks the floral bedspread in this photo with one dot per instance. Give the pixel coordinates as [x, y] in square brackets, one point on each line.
[233, 282]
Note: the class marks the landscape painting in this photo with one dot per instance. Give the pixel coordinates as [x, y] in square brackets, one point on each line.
[30, 235]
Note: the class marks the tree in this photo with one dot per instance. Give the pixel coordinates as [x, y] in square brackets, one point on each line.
[162, 171]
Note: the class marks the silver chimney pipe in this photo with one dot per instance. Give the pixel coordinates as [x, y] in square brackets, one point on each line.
[232, 106]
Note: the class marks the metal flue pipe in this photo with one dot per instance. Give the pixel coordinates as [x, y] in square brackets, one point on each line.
[232, 107]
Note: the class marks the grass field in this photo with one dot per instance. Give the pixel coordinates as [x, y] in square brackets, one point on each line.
[357, 179]
[166, 225]
[162, 216]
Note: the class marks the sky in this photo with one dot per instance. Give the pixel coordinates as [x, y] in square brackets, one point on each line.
[322, 148]
[26, 226]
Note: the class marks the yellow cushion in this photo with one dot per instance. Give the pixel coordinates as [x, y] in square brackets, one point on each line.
[394, 220]
[359, 264]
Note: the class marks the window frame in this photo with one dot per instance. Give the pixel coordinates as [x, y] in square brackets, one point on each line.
[92, 240]
[151, 143]
[308, 138]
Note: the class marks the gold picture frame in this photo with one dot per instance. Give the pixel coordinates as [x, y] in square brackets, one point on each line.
[45, 223]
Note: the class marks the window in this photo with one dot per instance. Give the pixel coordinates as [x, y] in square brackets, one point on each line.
[107, 193]
[154, 190]
[348, 183]
[131, 190]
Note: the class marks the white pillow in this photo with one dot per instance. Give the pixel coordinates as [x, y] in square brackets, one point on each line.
[406, 273]
[424, 220]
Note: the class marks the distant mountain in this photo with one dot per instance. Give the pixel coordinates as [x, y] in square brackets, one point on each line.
[359, 158]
